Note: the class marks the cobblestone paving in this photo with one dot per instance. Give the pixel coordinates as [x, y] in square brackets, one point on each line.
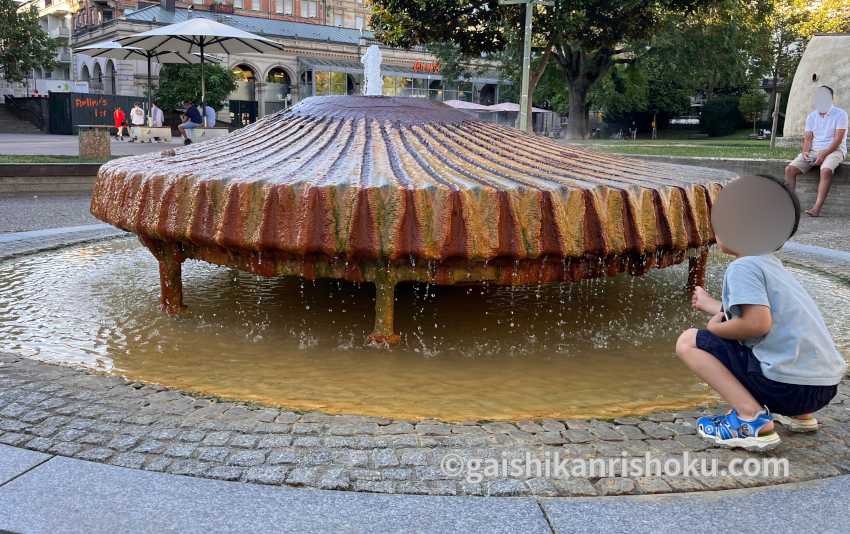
[69, 412]
[20, 212]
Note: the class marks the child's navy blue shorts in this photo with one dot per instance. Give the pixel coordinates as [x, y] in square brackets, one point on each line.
[779, 397]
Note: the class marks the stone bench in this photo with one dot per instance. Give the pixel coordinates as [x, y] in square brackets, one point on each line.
[202, 134]
[146, 134]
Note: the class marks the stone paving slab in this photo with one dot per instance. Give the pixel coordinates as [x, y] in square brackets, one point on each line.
[30, 242]
[812, 507]
[21, 212]
[70, 412]
[14, 462]
[72, 496]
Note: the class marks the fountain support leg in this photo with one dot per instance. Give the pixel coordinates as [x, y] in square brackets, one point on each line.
[384, 332]
[170, 259]
[696, 271]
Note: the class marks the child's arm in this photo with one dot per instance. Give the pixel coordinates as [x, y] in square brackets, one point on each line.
[702, 301]
[755, 321]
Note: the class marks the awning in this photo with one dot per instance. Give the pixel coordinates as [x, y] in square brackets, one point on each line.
[355, 67]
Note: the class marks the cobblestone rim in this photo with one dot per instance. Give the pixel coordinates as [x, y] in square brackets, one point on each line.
[81, 414]
[76, 413]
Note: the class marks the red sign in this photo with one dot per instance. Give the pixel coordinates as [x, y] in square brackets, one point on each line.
[431, 68]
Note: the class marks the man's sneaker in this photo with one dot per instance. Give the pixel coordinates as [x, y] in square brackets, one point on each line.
[795, 424]
[730, 431]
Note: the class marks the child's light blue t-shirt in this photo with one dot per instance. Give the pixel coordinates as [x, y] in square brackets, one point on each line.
[798, 349]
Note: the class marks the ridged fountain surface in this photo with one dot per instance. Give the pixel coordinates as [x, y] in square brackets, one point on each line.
[387, 190]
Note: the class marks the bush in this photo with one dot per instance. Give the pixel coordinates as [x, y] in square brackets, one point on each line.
[721, 116]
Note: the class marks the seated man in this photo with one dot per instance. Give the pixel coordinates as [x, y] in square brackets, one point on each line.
[193, 120]
[824, 146]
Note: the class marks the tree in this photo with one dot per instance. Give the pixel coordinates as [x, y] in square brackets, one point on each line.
[751, 104]
[179, 82]
[24, 46]
[586, 37]
[822, 16]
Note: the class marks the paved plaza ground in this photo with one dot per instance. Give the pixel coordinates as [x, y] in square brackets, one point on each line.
[68, 145]
[92, 453]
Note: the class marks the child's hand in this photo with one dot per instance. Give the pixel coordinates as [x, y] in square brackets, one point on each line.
[715, 320]
[702, 301]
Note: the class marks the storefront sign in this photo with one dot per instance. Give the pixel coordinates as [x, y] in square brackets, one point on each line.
[431, 68]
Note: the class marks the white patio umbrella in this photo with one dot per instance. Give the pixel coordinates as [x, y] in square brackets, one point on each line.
[472, 106]
[113, 49]
[203, 36]
[511, 106]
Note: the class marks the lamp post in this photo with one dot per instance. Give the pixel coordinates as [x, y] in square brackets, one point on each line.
[526, 56]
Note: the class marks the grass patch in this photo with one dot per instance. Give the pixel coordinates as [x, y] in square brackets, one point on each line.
[697, 151]
[15, 158]
[736, 145]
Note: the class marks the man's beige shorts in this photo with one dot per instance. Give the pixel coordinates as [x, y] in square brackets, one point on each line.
[831, 162]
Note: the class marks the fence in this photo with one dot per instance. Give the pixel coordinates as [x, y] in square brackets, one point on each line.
[30, 109]
[69, 110]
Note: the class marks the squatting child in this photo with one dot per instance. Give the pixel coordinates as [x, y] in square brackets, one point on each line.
[765, 350]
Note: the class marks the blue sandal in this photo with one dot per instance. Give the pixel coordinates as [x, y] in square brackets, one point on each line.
[731, 431]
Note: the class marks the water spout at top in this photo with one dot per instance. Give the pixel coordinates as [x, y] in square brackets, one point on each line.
[373, 84]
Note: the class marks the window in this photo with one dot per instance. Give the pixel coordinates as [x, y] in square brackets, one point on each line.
[309, 8]
[338, 19]
[237, 4]
[287, 7]
[358, 22]
[256, 5]
[278, 6]
[198, 2]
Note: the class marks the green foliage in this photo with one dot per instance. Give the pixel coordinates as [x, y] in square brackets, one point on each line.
[822, 16]
[587, 36]
[752, 103]
[180, 82]
[24, 46]
[721, 116]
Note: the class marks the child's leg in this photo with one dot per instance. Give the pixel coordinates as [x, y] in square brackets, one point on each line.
[716, 375]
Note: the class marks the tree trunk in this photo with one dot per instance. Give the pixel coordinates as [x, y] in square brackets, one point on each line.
[579, 122]
[581, 70]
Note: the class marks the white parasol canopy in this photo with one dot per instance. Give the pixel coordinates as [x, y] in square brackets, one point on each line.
[472, 106]
[510, 106]
[203, 36]
[113, 49]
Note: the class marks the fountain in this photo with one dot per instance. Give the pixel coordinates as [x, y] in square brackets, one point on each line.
[390, 189]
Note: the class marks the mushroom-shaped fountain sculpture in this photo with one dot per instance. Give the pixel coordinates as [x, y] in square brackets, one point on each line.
[390, 189]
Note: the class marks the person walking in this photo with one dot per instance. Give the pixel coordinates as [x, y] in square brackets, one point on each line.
[137, 120]
[119, 120]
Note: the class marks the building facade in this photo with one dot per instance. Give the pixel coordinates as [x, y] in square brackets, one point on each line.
[56, 19]
[318, 59]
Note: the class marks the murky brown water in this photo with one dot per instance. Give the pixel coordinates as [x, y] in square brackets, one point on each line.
[597, 348]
